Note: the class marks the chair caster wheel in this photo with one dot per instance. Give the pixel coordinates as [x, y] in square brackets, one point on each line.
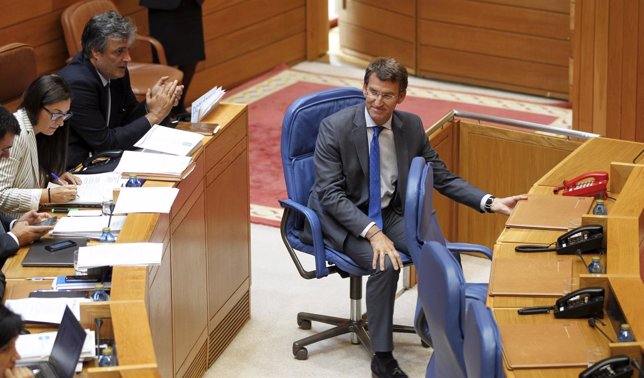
[304, 323]
[301, 354]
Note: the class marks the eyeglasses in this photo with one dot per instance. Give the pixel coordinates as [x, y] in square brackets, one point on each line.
[58, 116]
[374, 94]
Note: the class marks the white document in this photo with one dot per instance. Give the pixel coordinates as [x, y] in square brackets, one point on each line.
[150, 163]
[37, 346]
[94, 189]
[169, 141]
[202, 105]
[90, 227]
[145, 200]
[46, 310]
[120, 254]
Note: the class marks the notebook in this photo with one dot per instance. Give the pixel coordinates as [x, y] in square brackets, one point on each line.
[66, 351]
[39, 255]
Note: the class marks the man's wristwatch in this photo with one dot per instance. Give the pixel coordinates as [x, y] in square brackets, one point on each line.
[488, 204]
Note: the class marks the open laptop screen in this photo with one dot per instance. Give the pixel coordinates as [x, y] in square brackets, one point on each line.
[68, 345]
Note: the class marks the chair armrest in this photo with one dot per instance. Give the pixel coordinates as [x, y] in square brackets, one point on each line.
[467, 247]
[156, 45]
[321, 269]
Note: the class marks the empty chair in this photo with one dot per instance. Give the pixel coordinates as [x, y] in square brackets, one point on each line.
[18, 62]
[482, 343]
[422, 225]
[143, 75]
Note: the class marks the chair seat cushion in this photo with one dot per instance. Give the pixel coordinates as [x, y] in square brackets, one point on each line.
[145, 75]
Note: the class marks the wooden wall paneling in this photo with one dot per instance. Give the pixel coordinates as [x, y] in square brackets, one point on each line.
[615, 50]
[499, 43]
[601, 67]
[584, 65]
[445, 142]
[242, 41]
[493, 71]
[497, 17]
[549, 5]
[372, 44]
[317, 29]
[247, 66]
[394, 33]
[488, 156]
[638, 9]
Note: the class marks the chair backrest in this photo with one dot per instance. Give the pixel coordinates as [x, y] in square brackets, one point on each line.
[420, 218]
[299, 134]
[18, 62]
[441, 289]
[75, 17]
[482, 343]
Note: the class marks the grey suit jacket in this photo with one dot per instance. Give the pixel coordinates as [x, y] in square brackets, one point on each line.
[340, 194]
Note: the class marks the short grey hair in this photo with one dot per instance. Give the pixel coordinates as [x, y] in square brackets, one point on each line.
[103, 26]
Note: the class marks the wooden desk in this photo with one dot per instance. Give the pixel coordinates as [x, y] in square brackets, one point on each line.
[177, 318]
[624, 232]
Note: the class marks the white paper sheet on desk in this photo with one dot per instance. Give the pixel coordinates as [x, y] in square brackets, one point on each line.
[90, 227]
[94, 189]
[145, 162]
[37, 346]
[169, 141]
[46, 310]
[120, 254]
[205, 103]
[145, 200]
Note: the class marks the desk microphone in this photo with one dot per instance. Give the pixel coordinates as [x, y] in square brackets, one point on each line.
[592, 322]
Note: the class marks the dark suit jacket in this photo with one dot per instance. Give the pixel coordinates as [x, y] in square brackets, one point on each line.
[89, 105]
[163, 4]
[8, 248]
[340, 195]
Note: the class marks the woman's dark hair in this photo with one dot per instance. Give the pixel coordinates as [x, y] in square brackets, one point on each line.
[52, 149]
[10, 325]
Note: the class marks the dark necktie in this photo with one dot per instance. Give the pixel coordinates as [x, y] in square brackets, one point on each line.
[375, 209]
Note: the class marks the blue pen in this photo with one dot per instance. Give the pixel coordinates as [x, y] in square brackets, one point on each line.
[55, 177]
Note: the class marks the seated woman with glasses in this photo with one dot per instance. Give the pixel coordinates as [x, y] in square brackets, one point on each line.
[38, 153]
[10, 327]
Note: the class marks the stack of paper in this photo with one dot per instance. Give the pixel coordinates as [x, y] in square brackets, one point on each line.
[145, 200]
[120, 254]
[155, 166]
[37, 346]
[202, 105]
[170, 141]
[45, 310]
[90, 227]
[94, 189]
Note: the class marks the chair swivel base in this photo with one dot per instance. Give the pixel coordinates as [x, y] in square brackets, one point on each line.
[359, 327]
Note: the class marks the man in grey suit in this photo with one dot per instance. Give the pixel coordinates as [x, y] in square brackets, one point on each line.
[15, 233]
[340, 195]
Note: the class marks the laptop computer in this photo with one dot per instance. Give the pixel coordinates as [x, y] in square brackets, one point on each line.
[53, 252]
[66, 352]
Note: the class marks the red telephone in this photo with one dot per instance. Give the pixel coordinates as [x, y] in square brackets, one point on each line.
[589, 184]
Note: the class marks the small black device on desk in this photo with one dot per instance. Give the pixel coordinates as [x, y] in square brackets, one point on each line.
[583, 303]
[53, 252]
[584, 239]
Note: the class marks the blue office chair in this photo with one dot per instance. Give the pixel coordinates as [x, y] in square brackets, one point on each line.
[441, 289]
[422, 225]
[299, 134]
[482, 343]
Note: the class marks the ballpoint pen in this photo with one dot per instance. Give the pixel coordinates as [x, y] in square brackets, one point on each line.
[56, 178]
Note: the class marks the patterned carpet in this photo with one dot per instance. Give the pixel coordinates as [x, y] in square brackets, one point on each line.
[270, 95]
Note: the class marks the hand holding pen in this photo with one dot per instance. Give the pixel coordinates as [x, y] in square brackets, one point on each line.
[66, 178]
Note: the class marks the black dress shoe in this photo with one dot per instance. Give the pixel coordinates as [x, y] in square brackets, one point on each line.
[386, 369]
